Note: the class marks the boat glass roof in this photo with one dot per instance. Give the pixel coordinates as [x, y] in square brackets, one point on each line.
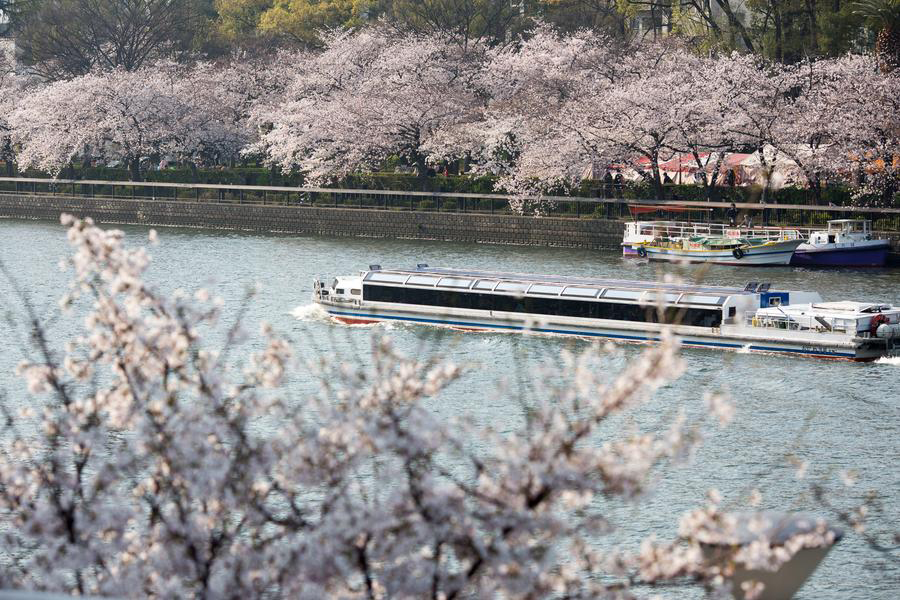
[581, 292]
[423, 280]
[543, 288]
[455, 282]
[578, 287]
[512, 286]
[623, 294]
[386, 277]
[587, 281]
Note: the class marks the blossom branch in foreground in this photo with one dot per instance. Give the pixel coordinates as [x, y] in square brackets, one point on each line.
[148, 465]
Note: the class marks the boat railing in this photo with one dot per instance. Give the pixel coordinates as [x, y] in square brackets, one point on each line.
[786, 322]
[675, 230]
[773, 322]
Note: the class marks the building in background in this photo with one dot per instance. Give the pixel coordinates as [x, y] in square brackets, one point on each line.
[655, 19]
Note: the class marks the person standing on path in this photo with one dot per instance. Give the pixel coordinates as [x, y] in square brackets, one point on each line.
[731, 213]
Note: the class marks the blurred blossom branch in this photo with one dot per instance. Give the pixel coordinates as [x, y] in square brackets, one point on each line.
[138, 467]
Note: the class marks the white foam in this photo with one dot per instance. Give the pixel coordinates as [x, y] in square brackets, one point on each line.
[889, 360]
[310, 312]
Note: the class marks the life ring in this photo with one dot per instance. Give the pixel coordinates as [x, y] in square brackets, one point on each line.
[876, 322]
[737, 253]
[642, 252]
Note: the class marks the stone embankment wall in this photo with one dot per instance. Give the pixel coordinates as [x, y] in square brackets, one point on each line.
[343, 222]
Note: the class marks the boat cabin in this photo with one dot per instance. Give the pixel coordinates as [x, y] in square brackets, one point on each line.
[858, 319]
[648, 302]
[842, 231]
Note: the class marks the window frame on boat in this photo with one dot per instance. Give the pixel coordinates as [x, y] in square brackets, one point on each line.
[545, 305]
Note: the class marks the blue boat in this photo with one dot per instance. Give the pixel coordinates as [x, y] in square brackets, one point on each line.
[846, 243]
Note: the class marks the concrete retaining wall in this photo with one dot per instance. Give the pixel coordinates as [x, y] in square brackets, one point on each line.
[457, 227]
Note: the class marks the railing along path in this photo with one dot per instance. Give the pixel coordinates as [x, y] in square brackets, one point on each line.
[783, 215]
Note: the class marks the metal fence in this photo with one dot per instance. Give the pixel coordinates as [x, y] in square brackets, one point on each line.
[782, 215]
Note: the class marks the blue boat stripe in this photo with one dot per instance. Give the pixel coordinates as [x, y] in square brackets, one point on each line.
[583, 333]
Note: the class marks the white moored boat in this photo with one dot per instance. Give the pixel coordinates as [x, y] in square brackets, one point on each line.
[754, 318]
[638, 233]
[722, 251]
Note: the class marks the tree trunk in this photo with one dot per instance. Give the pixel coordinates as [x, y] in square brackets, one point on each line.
[8, 155]
[815, 185]
[768, 174]
[813, 29]
[421, 169]
[135, 166]
[657, 178]
[779, 44]
[737, 25]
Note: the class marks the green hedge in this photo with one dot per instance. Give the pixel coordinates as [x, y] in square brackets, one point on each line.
[838, 196]
[450, 184]
[230, 176]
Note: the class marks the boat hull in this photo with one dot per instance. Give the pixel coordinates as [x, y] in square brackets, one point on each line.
[741, 339]
[777, 253]
[841, 255]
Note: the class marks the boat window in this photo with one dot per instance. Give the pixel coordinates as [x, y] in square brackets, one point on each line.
[485, 284]
[698, 317]
[423, 280]
[622, 294]
[355, 292]
[339, 291]
[552, 290]
[694, 299]
[511, 286]
[581, 292]
[654, 296]
[386, 277]
[454, 282]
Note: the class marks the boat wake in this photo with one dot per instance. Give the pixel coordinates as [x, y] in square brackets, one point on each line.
[889, 360]
[310, 312]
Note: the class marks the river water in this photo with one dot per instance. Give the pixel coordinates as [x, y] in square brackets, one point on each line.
[835, 416]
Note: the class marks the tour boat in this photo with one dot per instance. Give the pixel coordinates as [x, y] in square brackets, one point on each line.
[721, 250]
[639, 233]
[845, 243]
[753, 318]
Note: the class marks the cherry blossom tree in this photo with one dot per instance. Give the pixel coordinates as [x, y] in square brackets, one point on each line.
[531, 90]
[368, 96]
[866, 127]
[12, 87]
[216, 126]
[536, 114]
[146, 463]
[118, 115]
[196, 113]
[708, 127]
[607, 112]
[811, 129]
